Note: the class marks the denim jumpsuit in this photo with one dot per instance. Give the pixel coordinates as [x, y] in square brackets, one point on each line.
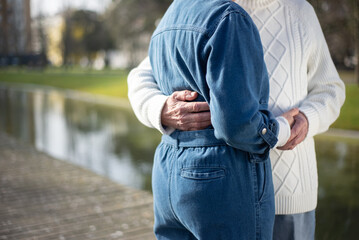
[214, 183]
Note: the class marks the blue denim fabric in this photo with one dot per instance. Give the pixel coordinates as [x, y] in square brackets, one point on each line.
[216, 183]
[205, 189]
[299, 226]
[214, 48]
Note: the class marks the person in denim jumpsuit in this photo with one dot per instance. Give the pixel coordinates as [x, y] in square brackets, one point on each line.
[214, 183]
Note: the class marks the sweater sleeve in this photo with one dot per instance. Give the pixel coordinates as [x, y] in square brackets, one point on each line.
[238, 83]
[145, 97]
[326, 91]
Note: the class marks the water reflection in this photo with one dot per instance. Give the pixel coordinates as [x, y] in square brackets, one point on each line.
[104, 138]
[108, 139]
[338, 207]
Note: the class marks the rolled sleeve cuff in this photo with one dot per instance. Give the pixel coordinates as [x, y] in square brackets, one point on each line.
[313, 119]
[269, 134]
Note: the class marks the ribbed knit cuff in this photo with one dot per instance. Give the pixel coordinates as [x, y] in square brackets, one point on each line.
[284, 131]
[313, 119]
[155, 110]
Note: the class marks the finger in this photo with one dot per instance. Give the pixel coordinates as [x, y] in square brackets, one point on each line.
[284, 147]
[294, 111]
[300, 137]
[195, 107]
[185, 95]
[293, 134]
[296, 140]
[198, 117]
[191, 120]
[295, 131]
[297, 127]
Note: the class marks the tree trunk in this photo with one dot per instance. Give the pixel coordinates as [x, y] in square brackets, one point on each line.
[4, 27]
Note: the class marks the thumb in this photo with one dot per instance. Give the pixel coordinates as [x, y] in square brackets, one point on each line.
[185, 95]
[293, 112]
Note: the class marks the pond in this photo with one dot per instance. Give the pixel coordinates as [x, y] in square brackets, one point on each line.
[103, 135]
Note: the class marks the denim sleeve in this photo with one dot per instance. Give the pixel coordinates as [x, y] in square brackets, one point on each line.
[239, 87]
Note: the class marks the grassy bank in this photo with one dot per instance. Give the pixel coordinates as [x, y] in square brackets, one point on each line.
[113, 83]
[349, 114]
[106, 82]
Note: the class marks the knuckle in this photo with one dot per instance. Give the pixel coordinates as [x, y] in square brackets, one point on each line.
[195, 107]
[174, 94]
[181, 117]
[181, 110]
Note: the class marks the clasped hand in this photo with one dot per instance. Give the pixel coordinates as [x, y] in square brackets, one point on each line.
[180, 112]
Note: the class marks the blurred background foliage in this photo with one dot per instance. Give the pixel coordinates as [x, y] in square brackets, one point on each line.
[93, 50]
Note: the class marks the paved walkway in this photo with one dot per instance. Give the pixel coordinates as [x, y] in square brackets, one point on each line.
[45, 198]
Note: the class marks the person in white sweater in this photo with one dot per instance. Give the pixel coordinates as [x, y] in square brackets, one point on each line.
[302, 75]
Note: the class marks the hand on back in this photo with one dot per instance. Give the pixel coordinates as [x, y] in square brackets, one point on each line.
[180, 112]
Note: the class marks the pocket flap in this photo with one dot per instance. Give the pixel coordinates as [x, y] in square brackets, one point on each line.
[202, 173]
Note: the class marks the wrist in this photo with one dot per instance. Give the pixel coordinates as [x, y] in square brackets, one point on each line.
[284, 131]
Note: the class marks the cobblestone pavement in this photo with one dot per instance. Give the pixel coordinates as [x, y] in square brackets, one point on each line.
[45, 198]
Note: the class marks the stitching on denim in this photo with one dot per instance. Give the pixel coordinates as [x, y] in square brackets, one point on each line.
[225, 15]
[257, 220]
[219, 173]
[178, 28]
[174, 160]
[221, 167]
[265, 182]
[256, 201]
[255, 182]
[209, 33]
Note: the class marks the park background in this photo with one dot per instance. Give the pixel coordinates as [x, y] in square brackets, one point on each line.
[63, 89]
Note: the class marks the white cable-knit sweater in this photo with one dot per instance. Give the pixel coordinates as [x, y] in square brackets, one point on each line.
[302, 74]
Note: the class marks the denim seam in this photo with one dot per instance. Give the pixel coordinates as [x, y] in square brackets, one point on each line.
[174, 160]
[258, 219]
[184, 28]
[196, 166]
[256, 200]
[255, 183]
[209, 33]
[262, 196]
[183, 145]
[212, 29]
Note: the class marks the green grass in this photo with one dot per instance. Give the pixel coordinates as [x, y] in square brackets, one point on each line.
[113, 83]
[349, 114]
[106, 82]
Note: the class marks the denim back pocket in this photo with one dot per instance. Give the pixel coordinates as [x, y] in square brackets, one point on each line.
[202, 173]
